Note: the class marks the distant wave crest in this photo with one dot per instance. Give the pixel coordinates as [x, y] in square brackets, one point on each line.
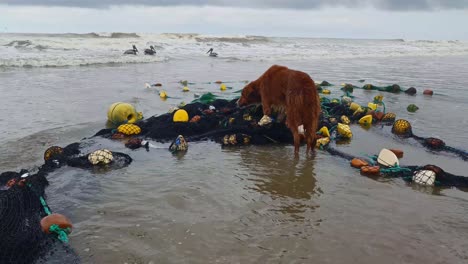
[72, 49]
[19, 43]
[124, 35]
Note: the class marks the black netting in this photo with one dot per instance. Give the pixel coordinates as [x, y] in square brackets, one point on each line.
[21, 237]
[119, 161]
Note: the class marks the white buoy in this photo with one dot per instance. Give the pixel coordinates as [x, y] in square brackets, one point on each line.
[265, 120]
[387, 158]
[424, 177]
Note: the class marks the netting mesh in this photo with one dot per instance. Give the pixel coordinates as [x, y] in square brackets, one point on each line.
[21, 237]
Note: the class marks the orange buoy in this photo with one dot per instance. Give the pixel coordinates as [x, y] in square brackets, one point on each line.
[428, 92]
[378, 115]
[195, 119]
[358, 163]
[10, 183]
[397, 152]
[218, 82]
[370, 170]
[118, 135]
[55, 219]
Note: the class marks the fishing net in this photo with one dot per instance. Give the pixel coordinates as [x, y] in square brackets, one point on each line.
[22, 206]
[403, 129]
[22, 200]
[22, 239]
[225, 119]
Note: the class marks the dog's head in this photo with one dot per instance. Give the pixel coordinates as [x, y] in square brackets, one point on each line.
[250, 95]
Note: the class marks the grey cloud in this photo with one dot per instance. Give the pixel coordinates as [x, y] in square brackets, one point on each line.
[289, 4]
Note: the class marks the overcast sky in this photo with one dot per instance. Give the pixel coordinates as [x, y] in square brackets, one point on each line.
[408, 19]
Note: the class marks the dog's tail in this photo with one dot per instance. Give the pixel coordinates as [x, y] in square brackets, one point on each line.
[305, 109]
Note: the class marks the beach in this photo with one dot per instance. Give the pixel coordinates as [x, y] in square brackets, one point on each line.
[251, 204]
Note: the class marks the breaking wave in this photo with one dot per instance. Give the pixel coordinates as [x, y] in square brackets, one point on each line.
[72, 49]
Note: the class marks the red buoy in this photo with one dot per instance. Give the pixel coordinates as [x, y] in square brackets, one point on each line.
[397, 152]
[428, 92]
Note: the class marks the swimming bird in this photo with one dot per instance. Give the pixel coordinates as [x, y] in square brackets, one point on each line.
[132, 51]
[150, 51]
[212, 54]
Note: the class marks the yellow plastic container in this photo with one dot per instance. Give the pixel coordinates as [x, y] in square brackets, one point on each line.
[372, 106]
[354, 106]
[180, 116]
[366, 120]
[123, 113]
[324, 131]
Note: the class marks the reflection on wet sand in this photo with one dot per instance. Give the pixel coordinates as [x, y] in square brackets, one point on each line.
[289, 182]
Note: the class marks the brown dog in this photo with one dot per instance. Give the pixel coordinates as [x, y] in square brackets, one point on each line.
[293, 90]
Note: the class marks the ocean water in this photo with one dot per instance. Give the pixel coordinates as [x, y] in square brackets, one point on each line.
[254, 204]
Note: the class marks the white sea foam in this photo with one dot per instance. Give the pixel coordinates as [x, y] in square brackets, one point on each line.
[56, 50]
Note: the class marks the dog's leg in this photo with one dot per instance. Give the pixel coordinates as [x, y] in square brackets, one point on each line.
[266, 119]
[297, 139]
[309, 140]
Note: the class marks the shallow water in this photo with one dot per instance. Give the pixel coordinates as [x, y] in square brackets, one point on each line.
[255, 204]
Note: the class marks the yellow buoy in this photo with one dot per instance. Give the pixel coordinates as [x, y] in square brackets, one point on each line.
[358, 111]
[378, 99]
[344, 130]
[402, 127]
[180, 116]
[326, 91]
[366, 120]
[324, 132]
[322, 142]
[354, 106]
[163, 94]
[372, 106]
[389, 117]
[185, 89]
[123, 113]
[345, 120]
[223, 87]
[129, 129]
[53, 152]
